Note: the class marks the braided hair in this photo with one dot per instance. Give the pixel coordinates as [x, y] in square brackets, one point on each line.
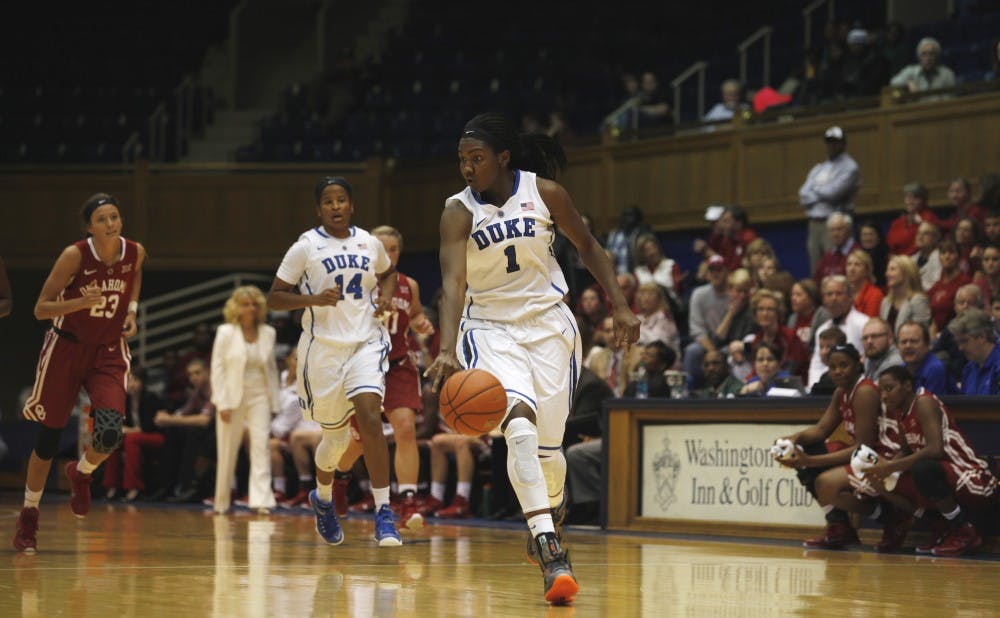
[536, 153]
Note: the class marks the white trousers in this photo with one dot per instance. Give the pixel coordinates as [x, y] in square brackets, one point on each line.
[255, 413]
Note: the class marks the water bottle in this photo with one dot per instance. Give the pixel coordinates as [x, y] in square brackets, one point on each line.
[486, 503]
[641, 383]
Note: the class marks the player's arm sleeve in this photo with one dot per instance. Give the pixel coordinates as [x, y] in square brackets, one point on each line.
[293, 265]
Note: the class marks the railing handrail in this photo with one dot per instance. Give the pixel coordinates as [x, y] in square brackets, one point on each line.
[699, 67]
[129, 147]
[612, 118]
[169, 296]
[764, 32]
[807, 19]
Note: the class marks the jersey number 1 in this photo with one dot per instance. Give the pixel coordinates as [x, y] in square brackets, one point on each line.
[511, 253]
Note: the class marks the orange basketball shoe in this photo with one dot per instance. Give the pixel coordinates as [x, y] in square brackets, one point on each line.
[79, 497]
[27, 526]
[560, 583]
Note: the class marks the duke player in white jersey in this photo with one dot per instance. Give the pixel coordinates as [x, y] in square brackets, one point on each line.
[344, 348]
[502, 311]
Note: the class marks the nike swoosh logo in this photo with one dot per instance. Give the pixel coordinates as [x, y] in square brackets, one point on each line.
[319, 248]
[89, 272]
[481, 220]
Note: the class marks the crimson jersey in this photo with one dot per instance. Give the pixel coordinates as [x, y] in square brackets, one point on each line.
[972, 472]
[102, 323]
[845, 404]
[398, 324]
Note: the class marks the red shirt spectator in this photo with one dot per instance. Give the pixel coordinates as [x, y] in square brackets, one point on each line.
[902, 234]
[960, 197]
[868, 300]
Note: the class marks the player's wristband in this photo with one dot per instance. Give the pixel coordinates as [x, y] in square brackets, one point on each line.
[133, 307]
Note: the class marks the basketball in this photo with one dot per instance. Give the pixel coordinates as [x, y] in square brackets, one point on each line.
[473, 402]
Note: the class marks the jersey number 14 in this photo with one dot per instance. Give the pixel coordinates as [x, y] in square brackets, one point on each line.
[353, 287]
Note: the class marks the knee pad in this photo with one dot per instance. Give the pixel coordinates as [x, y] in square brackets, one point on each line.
[331, 447]
[522, 451]
[930, 479]
[108, 432]
[47, 442]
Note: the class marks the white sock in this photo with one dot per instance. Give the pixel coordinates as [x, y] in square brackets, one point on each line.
[381, 495]
[827, 509]
[305, 478]
[32, 498]
[463, 489]
[85, 466]
[953, 514]
[877, 512]
[279, 484]
[405, 487]
[437, 490]
[324, 492]
[540, 524]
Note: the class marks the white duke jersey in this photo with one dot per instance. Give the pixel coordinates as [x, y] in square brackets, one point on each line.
[318, 261]
[510, 270]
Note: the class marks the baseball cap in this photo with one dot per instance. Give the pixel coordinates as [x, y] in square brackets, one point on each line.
[857, 36]
[716, 261]
[834, 133]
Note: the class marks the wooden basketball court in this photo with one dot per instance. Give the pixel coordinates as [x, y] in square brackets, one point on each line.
[151, 560]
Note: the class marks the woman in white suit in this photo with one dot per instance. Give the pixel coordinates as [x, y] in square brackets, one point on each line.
[245, 392]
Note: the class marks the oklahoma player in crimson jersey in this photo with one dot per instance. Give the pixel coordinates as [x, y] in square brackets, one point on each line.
[91, 295]
[402, 390]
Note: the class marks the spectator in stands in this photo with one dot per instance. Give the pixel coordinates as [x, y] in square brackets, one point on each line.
[655, 321]
[941, 295]
[995, 316]
[945, 347]
[838, 300]
[902, 236]
[988, 279]
[201, 348]
[719, 383]
[873, 242]
[586, 412]
[973, 332]
[830, 187]
[189, 446]
[865, 71]
[805, 302]
[989, 198]
[928, 257]
[904, 297]
[141, 434]
[880, 347]
[940, 469]
[560, 128]
[960, 198]
[654, 106]
[620, 241]
[969, 239]
[732, 101]
[915, 349]
[654, 267]
[591, 308]
[827, 339]
[855, 403]
[868, 296]
[629, 285]
[738, 321]
[756, 253]
[766, 370]
[894, 48]
[730, 237]
[927, 74]
[707, 306]
[604, 359]
[287, 437]
[840, 234]
[767, 309]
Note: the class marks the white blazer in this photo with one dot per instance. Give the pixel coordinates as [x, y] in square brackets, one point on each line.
[229, 359]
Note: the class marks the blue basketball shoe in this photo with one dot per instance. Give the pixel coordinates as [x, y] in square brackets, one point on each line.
[326, 520]
[385, 528]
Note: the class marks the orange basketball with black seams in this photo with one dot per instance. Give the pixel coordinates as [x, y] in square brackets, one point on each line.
[473, 402]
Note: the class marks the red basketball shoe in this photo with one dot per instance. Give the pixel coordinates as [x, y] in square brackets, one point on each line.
[838, 535]
[429, 505]
[939, 529]
[897, 525]
[458, 509]
[409, 512]
[79, 497]
[27, 525]
[959, 540]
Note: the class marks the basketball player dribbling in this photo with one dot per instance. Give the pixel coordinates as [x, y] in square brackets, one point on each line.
[402, 391]
[502, 311]
[92, 296]
[345, 280]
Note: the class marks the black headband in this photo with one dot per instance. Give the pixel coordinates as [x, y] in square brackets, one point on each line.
[483, 136]
[89, 208]
[847, 349]
[328, 181]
